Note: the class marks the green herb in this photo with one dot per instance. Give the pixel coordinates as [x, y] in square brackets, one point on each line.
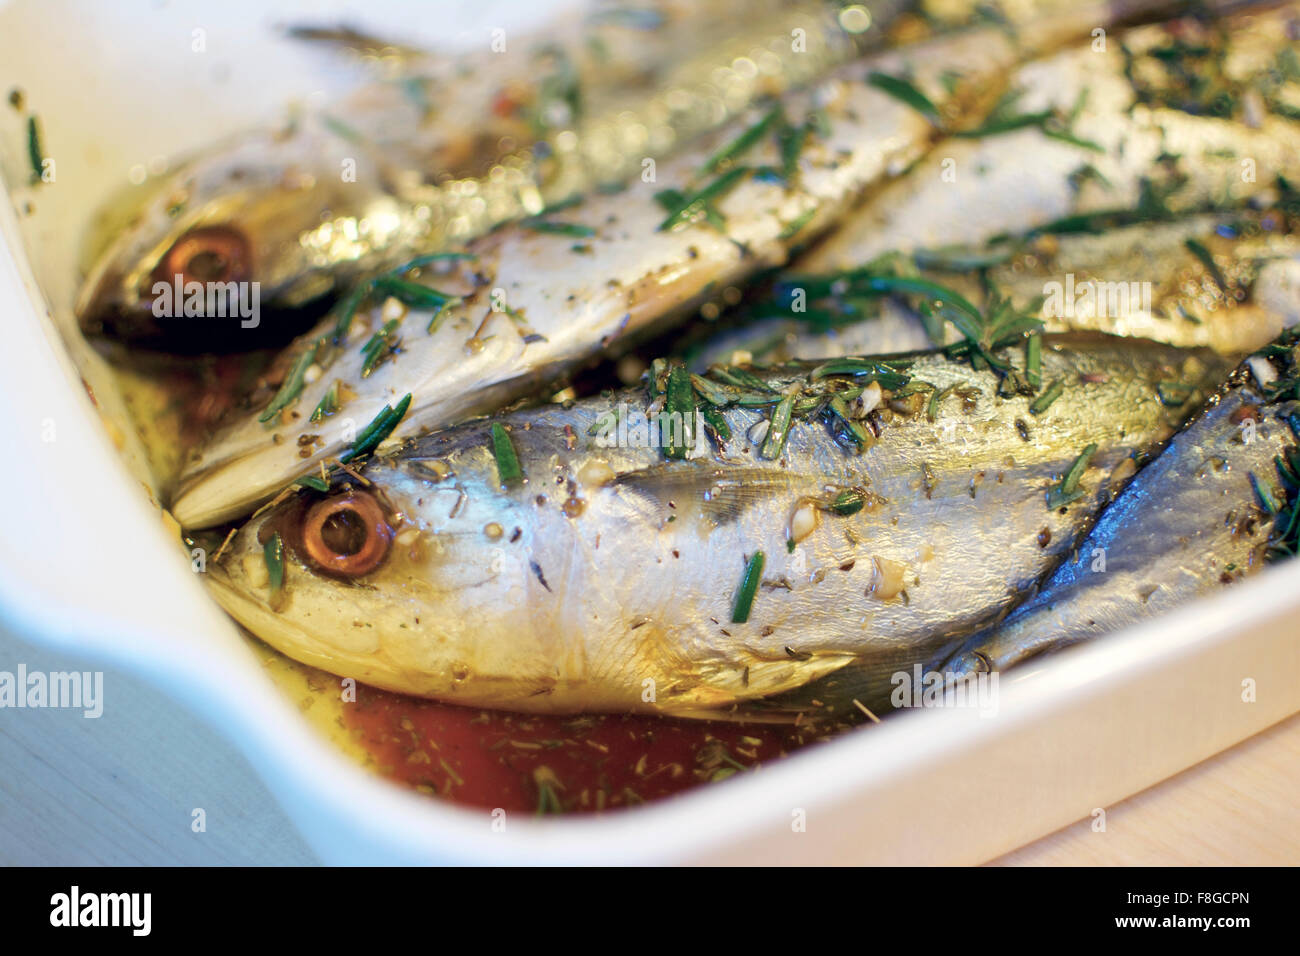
[341, 129]
[413, 295]
[796, 225]
[329, 404]
[739, 377]
[1034, 360]
[292, 386]
[273, 554]
[742, 143]
[1065, 136]
[1043, 402]
[713, 393]
[848, 503]
[1203, 254]
[778, 430]
[509, 472]
[748, 587]
[573, 229]
[960, 258]
[419, 262]
[378, 347]
[792, 140]
[34, 152]
[1005, 124]
[716, 424]
[315, 482]
[548, 798]
[1069, 490]
[904, 91]
[1268, 495]
[1001, 322]
[936, 399]
[861, 435]
[888, 375]
[699, 202]
[348, 309]
[1086, 172]
[679, 409]
[379, 428]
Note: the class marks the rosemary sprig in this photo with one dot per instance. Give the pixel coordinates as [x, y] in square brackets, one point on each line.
[35, 154]
[904, 91]
[848, 502]
[509, 471]
[1068, 490]
[292, 385]
[378, 347]
[778, 429]
[1199, 250]
[328, 405]
[379, 428]
[727, 155]
[748, 588]
[1044, 401]
[700, 202]
[573, 229]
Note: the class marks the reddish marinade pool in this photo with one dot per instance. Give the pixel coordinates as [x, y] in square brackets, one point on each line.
[546, 764]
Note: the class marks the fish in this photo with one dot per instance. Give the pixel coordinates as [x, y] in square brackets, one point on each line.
[705, 543]
[1229, 281]
[1092, 131]
[1216, 506]
[539, 299]
[1091, 164]
[436, 150]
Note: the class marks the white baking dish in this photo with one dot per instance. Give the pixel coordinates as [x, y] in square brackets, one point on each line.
[86, 563]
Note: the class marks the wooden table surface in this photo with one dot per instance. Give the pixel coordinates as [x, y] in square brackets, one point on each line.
[121, 789]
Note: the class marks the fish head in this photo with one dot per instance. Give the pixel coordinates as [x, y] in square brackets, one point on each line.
[269, 220]
[411, 581]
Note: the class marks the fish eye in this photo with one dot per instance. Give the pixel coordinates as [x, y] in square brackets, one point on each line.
[347, 535]
[207, 254]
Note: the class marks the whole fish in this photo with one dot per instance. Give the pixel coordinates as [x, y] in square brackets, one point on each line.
[1229, 281]
[710, 541]
[438, 150]
[1216, 505]
[540, 298]
[1162, 119]
[1099, 148]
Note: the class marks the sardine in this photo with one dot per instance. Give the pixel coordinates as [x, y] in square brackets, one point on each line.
[1161, 119]
[569, 558]
[438, 150]
[541, 298]
[1217, 505]
[1228, 281]
[1090, 141]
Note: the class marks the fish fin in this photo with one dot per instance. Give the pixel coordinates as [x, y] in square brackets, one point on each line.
[744, 695]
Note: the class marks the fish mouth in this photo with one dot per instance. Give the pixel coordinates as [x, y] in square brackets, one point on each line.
[371, 664]
[201, 501]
